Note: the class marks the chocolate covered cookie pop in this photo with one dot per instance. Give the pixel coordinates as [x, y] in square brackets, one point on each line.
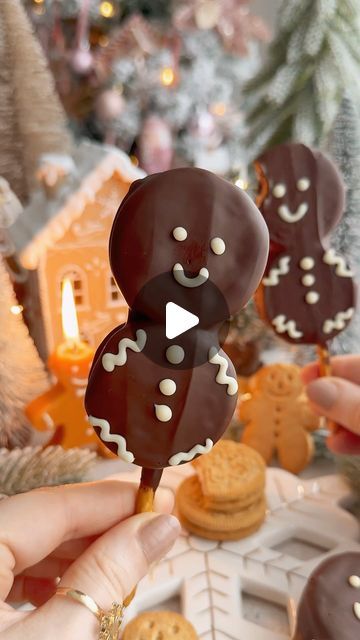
[188, 237]
[330, 605]
[307, 294]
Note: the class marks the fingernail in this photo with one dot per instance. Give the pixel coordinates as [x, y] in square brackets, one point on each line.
[157, 536]
[323, 393]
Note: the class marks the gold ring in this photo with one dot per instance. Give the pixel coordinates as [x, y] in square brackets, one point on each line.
[110, 621]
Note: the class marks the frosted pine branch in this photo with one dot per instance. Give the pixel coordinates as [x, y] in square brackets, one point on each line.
[25, 469]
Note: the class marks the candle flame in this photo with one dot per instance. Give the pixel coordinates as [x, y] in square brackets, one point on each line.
[68, 312]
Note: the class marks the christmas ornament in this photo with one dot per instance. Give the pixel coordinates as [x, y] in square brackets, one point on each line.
[231, 19]
[109, 106]
[155, 145]
[81, 61]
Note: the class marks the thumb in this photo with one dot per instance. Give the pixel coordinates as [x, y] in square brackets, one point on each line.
[338, 400]
[107, 571]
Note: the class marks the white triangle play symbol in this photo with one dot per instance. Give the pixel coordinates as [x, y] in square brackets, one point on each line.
[178, 320]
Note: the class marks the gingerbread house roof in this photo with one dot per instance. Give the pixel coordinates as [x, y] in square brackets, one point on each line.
[45, 221]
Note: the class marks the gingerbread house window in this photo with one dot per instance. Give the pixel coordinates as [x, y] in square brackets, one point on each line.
[79, 285]
[114, 295]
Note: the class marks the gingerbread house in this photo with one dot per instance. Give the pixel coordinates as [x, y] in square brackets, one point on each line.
[67, 236]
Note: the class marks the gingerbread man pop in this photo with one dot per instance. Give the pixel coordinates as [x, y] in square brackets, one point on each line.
[307, 294]
[188, 237]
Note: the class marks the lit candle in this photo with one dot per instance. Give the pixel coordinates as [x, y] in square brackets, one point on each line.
[61, 409]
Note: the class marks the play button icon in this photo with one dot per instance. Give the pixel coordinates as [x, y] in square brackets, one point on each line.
[178, 320]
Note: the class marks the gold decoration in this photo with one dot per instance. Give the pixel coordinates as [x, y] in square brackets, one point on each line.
[110, 622]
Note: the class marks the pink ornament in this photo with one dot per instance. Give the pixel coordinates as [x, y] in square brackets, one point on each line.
[82, 61]
[203, 125]
[155, 145]
[109, 105]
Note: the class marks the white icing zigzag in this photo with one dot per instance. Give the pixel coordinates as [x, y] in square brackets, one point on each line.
[331, 257]
[106, 435]
[181, 278]
[221, 376]
[186, 457]
[110, 360]
[339, 322]
[282, 325]
[272, 279]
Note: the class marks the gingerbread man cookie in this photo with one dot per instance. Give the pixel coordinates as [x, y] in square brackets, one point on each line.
[278, 418]
[188, 237]
[307, 294]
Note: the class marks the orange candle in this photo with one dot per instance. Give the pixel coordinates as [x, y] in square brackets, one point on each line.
[61, 408]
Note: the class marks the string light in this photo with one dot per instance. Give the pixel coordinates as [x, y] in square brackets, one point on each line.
[16, 309]
[241, 183]
[106, 9]
[167, 76]
[38, 1]
[218, 109]
[134, 160]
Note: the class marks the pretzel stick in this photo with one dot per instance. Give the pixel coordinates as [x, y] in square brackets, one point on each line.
[325, 370]
[150, 479]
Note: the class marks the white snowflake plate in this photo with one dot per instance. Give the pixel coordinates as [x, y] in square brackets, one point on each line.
[249, 589]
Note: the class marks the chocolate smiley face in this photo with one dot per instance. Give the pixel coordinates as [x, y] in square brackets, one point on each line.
[190, 225]
[300, 193]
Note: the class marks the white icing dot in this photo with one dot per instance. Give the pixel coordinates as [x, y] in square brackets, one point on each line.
[179, 234]
[279, 190]
[175, 354]
[312, 297]
[308, 280]
[167, 387]
[217, 246]
[303, 184]
[357, 609]
[307, 263]
[163, 412]
[354, 581]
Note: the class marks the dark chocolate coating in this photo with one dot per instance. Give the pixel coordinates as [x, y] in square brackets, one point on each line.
[307, 237]
[326, 609]
[142, 247]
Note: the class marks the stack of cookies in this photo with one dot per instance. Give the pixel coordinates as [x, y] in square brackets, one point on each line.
[225, 499]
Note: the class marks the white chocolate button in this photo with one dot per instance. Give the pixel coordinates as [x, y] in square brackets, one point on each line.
[167, 387]
[307, 263]
[175, 354]
[312, 297]
[217, 246]
[163, 412]
[354, 581]
[179, 234]
[279, 190]
[308, 280]
[303, 184]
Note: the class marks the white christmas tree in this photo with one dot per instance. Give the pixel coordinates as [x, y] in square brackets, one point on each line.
[32, 121]
[345, 148]
[313, 60]
[22, 374]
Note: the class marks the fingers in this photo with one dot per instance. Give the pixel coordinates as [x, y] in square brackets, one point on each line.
[338, 400]
[107, 571]
[34, 590]
[347, 367]
[344, 442]
[32, 525]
